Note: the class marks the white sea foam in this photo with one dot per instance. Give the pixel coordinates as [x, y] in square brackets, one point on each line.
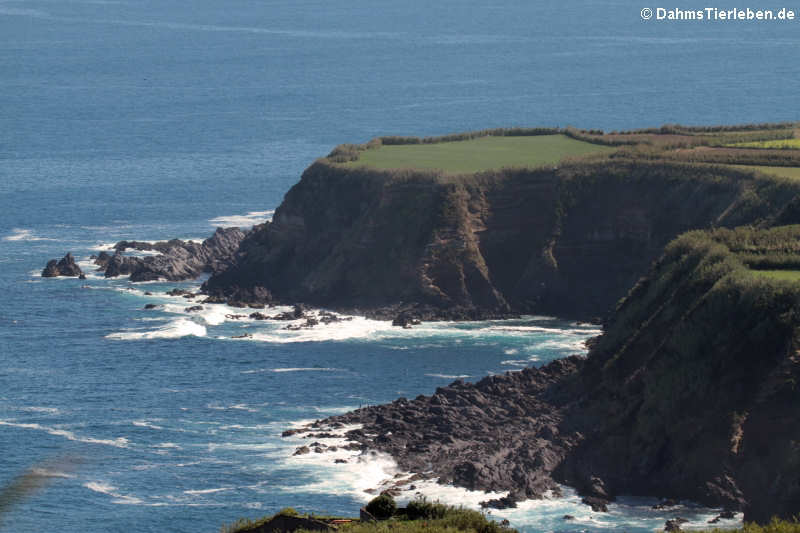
[22, 234]
[208, 491]
[367, 473]
[173, 330]
[448, 376]
[235, 407]
[167, 445]
[146, 424]
[110, 490]
[279, 370]
[558, 344]
[626, 512]
[103, 247]
[43, 471]
[44, 410]
[120, 442]
[541, 329]
[243, 221]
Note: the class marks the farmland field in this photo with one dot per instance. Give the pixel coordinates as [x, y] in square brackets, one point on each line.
[478, 154]
[775, 143]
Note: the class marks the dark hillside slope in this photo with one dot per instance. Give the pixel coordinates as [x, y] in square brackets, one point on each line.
[568, 241]
[691, 393]
[693, 386]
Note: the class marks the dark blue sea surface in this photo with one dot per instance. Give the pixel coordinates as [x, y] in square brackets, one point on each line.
[156, 119]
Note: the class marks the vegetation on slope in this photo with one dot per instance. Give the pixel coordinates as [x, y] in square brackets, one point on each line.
[695, 378]
[788, 144]
[773, 526]
[783, 172]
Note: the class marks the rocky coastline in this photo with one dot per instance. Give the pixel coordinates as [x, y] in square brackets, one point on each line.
[689, 392]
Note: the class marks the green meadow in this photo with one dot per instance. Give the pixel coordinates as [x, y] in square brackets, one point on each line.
[784, 172]
[479, 154]
[781, 275]
[775, 143]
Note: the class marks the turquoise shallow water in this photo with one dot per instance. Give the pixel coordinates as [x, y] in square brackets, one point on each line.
[159, 119]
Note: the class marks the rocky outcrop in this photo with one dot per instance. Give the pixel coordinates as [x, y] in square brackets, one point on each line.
[177, 260]
[500, 434]
[690, 393]
[65, 267]
[568, 241]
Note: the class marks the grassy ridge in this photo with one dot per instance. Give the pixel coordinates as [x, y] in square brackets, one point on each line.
[769, 145]
[479, 154]
[784, 172]
[781, 275]
[792, 144]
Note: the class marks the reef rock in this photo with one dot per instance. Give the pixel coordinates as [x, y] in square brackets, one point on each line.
[65, 267]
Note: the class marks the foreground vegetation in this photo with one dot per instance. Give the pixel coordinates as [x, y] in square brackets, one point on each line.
[774, 526]
[420, 516]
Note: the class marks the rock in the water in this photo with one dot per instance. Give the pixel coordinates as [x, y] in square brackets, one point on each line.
[150, 306]
[65, 267]
[177, 260]
[178, 292]
[598, 505]
[405, 320]
[193, 308]
[674, 524]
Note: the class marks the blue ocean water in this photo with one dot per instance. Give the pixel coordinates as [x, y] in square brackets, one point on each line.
[155, 119]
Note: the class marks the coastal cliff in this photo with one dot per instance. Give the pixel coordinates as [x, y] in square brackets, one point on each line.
[568, 241]
[691, 393]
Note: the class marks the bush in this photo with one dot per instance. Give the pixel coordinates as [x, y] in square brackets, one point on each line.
[382, 507]
[423, 509]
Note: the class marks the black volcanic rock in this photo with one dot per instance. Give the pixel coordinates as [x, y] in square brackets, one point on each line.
[405, 319]
[689, 394]
[177, 260]
[65, 267]
[486, 436]
[567, 242]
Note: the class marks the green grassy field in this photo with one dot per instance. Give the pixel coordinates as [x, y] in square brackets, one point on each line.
[776, 143]
[478, 154]
[782, 275]
[784, 172]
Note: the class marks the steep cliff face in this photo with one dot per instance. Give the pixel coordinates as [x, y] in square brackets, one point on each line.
[567, 241]
[691, 392]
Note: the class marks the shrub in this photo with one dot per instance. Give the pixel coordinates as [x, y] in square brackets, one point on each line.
[382, 507]
[423, 509]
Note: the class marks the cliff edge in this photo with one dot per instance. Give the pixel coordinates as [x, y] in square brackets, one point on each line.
[567, 240]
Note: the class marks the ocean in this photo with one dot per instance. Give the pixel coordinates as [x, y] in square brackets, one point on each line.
[158, 119]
